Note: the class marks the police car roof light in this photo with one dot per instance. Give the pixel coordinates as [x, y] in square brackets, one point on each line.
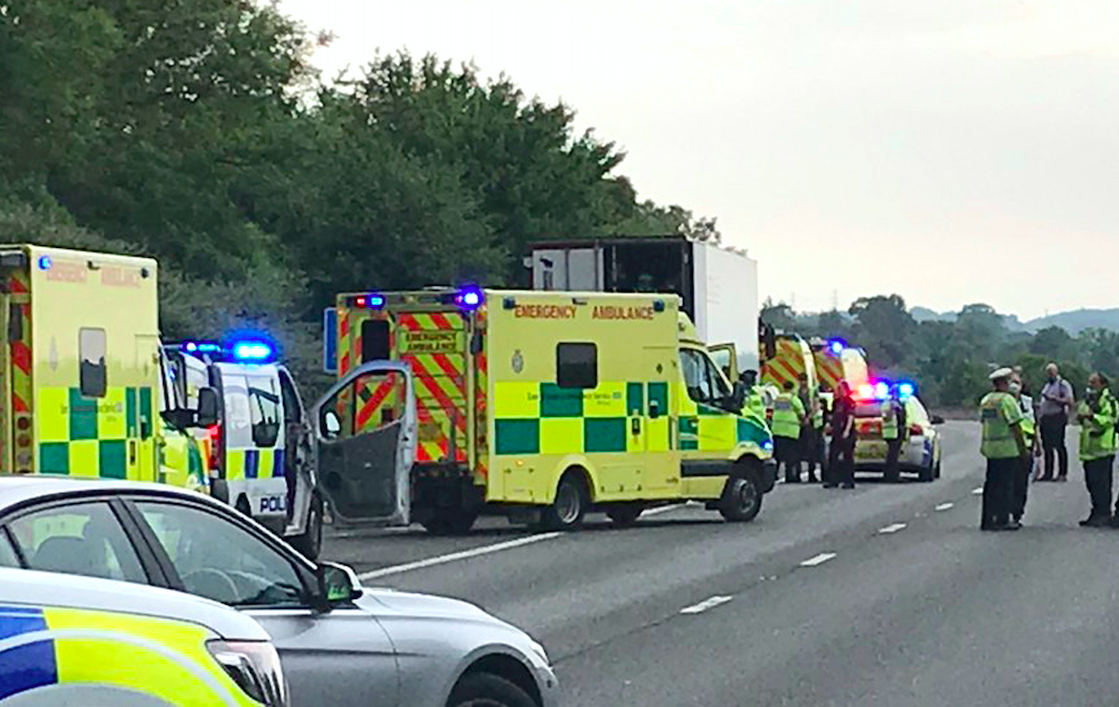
[836, 346]
[201, 347]
[252, 351]
[906, 390]
[866, 391]
[881, 390]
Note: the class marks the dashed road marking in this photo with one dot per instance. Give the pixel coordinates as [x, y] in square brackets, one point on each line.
[944, 506]
[705, 605]
[892, 528]
[455, 556]
[977, 492]
[818, 559]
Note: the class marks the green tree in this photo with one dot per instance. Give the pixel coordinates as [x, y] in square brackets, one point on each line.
[778, 315]
[884, 328]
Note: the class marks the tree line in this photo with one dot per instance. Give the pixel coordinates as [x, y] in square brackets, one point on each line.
[198, 132]
[950, 360]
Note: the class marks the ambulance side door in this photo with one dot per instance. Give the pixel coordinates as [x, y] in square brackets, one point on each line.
[661, 471]
[366, 472]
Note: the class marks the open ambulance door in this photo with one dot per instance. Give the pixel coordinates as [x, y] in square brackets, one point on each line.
[364, 462]
[725, 356]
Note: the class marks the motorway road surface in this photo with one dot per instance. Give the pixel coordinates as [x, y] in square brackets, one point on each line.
[885, 595]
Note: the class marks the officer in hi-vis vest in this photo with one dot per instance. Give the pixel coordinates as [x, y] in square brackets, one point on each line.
[788, 418]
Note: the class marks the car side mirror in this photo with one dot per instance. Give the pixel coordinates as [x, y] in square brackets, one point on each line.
[338, 584]
[207, 408]
[937, 420]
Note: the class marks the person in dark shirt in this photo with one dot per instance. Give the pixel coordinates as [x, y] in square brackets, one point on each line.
[841, 452]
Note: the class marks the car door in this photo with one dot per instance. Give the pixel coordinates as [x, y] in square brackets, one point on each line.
[342, 657]
[365, 469]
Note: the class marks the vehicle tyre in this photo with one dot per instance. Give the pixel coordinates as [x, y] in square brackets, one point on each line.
[937, 473]
[892, 477]
[927, 473]
[309, 542]
[487, 690]
[459, 521]
[742, 499]
[570, 506]
[625, 516]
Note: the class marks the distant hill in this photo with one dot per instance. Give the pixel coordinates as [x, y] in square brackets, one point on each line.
[1072, 322]
[1079, 320]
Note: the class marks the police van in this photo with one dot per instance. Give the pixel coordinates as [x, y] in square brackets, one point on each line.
[539, 405]
[257, 453]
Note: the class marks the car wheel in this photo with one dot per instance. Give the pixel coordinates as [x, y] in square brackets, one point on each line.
[570, 506]
[927, 473]
[459, 521]
[486, 690]
[742, 499]
[625, 516]
[309, 542]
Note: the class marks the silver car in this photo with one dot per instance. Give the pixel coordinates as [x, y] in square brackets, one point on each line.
[340, 644]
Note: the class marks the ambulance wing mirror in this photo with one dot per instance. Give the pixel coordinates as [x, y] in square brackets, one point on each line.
[331, 425]
[207, 408]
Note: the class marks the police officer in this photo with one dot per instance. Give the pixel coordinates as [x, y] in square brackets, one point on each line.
[1097, 416]
[788, 418]
[808, 429]
[1029, 432]
[815, 453]
[841, 452]
[1004, 447]
[893, 431]
[755, 403]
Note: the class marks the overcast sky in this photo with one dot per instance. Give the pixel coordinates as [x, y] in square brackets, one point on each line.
[952, 151]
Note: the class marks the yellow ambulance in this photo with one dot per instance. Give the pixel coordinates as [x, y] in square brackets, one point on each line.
[82, 377]
[539, 405]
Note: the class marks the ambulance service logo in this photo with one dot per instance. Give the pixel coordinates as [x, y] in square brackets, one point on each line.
[518, 361]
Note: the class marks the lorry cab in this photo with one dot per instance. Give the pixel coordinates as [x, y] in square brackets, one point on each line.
[538, 405]
[257, 450]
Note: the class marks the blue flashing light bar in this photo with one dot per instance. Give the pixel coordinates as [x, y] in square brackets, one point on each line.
[836, 346]
[370, 301]
[881, 390]
[252, 351]
[906, 390]
[45, 262]
[202, 347]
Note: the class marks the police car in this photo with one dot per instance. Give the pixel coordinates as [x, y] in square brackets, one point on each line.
[921, 450]
[69, 640]
[342, 645]
[257, 453]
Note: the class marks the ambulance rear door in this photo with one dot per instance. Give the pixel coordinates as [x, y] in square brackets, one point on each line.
[365, 469]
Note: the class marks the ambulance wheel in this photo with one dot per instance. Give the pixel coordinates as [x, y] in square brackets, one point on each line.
[742, 499]
[451, 521]
[626, 515]
[309, 542]
[570, 506]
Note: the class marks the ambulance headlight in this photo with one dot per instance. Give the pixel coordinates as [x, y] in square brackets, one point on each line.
[255, 667]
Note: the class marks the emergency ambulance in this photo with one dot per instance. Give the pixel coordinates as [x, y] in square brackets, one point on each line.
[835, 361]
[539, 405]
[784, 358]
[257, 451]
[82, 374]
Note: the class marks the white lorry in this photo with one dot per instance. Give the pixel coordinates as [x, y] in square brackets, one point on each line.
[719, 285]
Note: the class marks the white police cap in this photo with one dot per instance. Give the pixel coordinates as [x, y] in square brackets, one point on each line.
[1002, 373]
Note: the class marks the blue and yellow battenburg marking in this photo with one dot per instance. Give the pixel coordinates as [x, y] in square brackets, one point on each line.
[41, 648]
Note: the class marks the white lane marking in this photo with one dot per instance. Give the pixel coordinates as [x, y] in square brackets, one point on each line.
[705, 605]
[892, 528]
[977, 492]
[818, 559]
[485, 550]
[944, 506]
[455, 556]
[663, 509]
